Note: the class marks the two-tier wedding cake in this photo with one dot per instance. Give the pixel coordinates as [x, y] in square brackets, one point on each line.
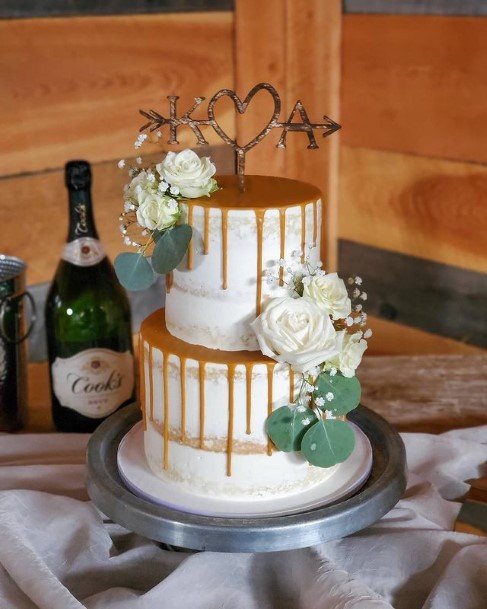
[206, 388]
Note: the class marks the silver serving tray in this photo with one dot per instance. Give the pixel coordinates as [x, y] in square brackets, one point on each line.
[384, 488]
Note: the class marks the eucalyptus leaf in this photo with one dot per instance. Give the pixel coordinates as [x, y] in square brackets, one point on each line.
[170, 248]
[287, 425]
[328, 442]
[134, 271]
[346, 392]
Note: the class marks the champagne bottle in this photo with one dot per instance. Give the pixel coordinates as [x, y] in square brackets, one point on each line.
[87, 318]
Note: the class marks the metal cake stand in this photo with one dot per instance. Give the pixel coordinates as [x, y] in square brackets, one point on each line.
[383, 489]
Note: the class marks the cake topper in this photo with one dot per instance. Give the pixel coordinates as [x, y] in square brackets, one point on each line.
[156, 121]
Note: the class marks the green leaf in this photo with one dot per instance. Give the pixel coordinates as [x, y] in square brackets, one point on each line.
[328, 442]
[287, 425]
[134, 271]
[346, 392]
[170, 248]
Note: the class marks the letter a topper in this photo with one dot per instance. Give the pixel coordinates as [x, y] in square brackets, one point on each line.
[157, 121]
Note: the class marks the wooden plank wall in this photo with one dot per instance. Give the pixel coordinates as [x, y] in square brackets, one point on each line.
[406, 180]
[71, 88]
[413, 173]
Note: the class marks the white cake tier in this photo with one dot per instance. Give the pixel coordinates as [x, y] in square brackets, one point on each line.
[219, 288]
[204, 413]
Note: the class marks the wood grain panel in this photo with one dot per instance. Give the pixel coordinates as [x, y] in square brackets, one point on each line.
[438, 298]
[294, 45]
[391, 338]
[34, 212]
[429, 394]
[416, 84]
[72, 87]
[419, 206]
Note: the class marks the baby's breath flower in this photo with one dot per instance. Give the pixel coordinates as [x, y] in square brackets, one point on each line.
[127, 241]
[329, 396]
[329, 414]
[281, 262]
[174, 190]
[358, 308]
[349, 321]
[306, 421]
[138, 160]
[356, 293]
[121, 163]
[333, 371]
[319, 402]
[363, 296]
[172, 204]
[163, 186]
[358, 280]
[350, 281]
[301, 408]
[368, 333]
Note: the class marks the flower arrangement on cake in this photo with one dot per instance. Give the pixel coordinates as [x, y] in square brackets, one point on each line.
[153, 216]
[319, 330]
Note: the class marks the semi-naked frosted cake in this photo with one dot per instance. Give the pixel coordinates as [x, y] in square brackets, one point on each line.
[206, 389]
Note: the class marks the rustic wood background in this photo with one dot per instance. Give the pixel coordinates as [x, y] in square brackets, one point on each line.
[405, 181]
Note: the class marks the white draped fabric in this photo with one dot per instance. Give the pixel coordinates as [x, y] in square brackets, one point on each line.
[58, 552]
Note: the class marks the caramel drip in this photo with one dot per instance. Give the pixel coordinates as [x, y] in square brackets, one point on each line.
[206, 231]
[282, 235]
[291, 385]
[165, 388]
[224, 247]
[315, 222]
[169, 281]
[201, 373]
[231, 378]
[142, 381]
[248, 381]
[303, 231]
[190, 247]
[259, 216]
[182, 378]
[151, 387]
[270, 378]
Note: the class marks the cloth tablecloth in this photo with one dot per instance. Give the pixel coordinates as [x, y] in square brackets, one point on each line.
[58, 552]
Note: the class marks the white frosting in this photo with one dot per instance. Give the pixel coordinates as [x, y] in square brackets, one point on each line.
[198, 310]
[253, 475]
[253, 471]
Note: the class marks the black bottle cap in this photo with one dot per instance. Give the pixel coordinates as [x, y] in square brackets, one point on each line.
[77, 175]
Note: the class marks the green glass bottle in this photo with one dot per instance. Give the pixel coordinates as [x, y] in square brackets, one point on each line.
[87, 318]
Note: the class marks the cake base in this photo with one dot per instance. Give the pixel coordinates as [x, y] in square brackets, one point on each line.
[343, 482]
[383, 489]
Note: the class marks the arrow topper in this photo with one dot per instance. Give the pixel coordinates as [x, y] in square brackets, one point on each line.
[157, 121]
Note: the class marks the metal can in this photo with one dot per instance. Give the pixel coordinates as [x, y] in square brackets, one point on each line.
[14, 330]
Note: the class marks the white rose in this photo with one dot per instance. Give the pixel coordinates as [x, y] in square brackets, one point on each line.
[330, 294]
[192, 175]
[295, 331]
[157, 211]
[352, 347]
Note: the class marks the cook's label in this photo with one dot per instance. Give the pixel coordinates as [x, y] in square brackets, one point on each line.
[94, 382]
[84, 251]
